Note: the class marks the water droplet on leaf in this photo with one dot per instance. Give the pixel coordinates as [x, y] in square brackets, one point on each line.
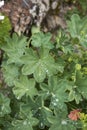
[54, 103]
[25, 122]
[3, 107]
[18, 98]
[41, 125]
[57, 100]
[64, 122]
[46, 71]
[48, 93]
[53, 95]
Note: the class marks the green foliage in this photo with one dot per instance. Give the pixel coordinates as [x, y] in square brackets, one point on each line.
[24, 86]
[41, 39]
[55, 88]
[42, 64]
[43, 79]
[26, 121]
[83, 5]
[78, 29]
[15, 45]
[11, 73]
[5, 27]
[60, 124]
[82, 83]
[4, 105]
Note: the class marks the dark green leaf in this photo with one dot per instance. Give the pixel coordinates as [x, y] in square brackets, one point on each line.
[26, 124]
[81, 82]
[55, 88]
[40, 65]
[4, 105]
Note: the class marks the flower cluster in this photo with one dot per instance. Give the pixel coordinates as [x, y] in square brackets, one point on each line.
[1, 4]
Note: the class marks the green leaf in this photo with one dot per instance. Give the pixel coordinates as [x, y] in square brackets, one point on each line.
[75, 95]
[26, 121]
[60, 122]
[35, 30]
[26, 124]
[24, 86]
[40, 111]
[78, 89]
[10, 73]
[5, 27]
[21, 125]
[25, 118]
[63, 42]
[81, 82]
[74, 25]
[40, 73]
[62, 125]
[40, 65]
[78, 28]
[44, 113]
[40, 39]
[4, 105]
[29, 60]
[27, 113]
[14, 48]
[55, 88]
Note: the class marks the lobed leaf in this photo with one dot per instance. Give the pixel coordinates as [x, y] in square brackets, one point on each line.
[24, 86]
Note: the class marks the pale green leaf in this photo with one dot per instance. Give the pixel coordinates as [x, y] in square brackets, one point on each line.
[24, 86]
[78, 28]
[40, 39]
[14, 48]
[26, 124]
[10, 73]
[73, 95]
[40, 73]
